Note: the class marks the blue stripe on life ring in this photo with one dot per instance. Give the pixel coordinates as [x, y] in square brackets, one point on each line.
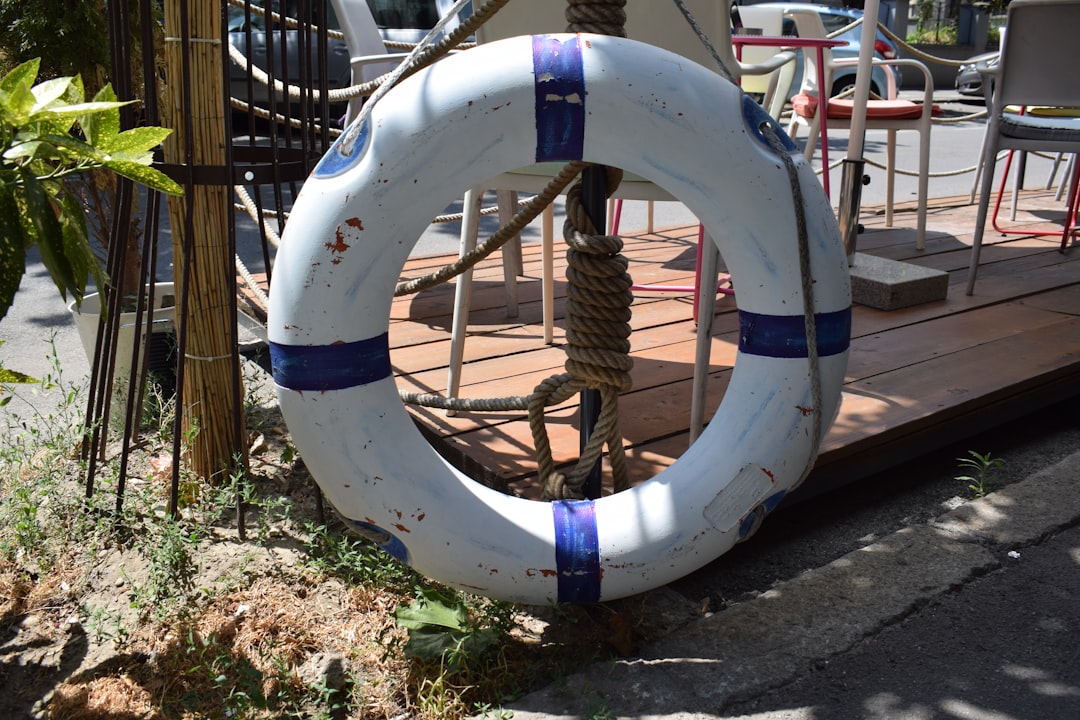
[577, 551]
[784, 336]
[559, 82]
[330, 367]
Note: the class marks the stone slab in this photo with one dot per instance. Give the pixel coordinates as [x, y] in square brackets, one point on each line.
[890, 285]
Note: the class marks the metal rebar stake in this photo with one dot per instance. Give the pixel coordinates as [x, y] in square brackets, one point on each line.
[594, 202]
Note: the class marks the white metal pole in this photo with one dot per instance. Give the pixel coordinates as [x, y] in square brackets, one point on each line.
[862, 79]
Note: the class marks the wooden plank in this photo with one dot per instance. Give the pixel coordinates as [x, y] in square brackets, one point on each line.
[944, 387]
[877, 352]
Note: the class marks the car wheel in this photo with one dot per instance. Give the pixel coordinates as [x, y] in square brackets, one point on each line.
[848, 83]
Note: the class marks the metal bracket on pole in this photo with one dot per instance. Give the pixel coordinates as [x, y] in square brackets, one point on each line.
[851, 182]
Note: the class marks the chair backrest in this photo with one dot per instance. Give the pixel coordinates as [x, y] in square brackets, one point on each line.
[364, 41]
[1038, 57]
[651, 21]
[808, 24]
[770, 22]
[361, 37]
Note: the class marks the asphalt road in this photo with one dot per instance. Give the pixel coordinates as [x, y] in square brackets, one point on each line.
[1000, 647]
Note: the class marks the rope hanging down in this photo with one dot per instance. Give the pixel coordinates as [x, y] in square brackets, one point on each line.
[598, 349]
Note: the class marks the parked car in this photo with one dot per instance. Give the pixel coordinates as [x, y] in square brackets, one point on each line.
[834, 18]
[410, 20]
[243, 25]
[969, 78]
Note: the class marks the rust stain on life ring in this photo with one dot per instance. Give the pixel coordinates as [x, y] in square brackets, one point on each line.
[339, 246]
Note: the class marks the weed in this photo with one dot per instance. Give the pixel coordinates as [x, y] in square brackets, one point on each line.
[456, 643]
[158, 414]
[55, 415]
[441, 627]
[103, 624]
[356, 560]
[487, 712]
[170, 550]
[982, 472]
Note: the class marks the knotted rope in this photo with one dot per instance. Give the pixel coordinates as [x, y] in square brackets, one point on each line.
[598, 347]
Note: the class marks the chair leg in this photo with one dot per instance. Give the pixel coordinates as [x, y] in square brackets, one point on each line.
[813, 132]
[1068, 172]
[1001, 192]
[1053, 172]
[699, 256]
[470, 226]
[1070, 212]
[511, 251]
[985, 190]
[924, 187]
[706, 311]
[615, 213]
[890, 176]
[978, 172]
[1018, 184]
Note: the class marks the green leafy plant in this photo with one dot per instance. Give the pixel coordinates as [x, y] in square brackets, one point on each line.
[982, 472]
[441, 626]
[49, 132]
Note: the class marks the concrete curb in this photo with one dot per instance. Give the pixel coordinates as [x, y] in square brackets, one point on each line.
[769, 641]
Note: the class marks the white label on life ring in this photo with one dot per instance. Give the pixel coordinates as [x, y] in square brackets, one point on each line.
[741, 495]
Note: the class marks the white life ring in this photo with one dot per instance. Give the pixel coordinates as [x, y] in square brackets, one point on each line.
[471, 117]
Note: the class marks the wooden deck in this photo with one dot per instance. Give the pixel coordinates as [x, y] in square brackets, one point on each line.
[918, 378]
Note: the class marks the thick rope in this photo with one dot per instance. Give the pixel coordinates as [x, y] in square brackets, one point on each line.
[809, 319]
[253, 284]
[252, 210]
[598, 347]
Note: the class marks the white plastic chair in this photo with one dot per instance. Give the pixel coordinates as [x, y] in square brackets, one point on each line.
[657, 24]
[889, 114]
[1041, 37]
[368, 55]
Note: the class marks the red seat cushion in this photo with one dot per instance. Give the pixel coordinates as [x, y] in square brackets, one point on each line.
[806, 106]
[880, 109]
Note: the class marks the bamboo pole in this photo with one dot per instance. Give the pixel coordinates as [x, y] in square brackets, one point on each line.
[195, 109]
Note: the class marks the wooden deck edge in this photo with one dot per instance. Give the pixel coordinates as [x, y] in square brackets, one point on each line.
[876, 455]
